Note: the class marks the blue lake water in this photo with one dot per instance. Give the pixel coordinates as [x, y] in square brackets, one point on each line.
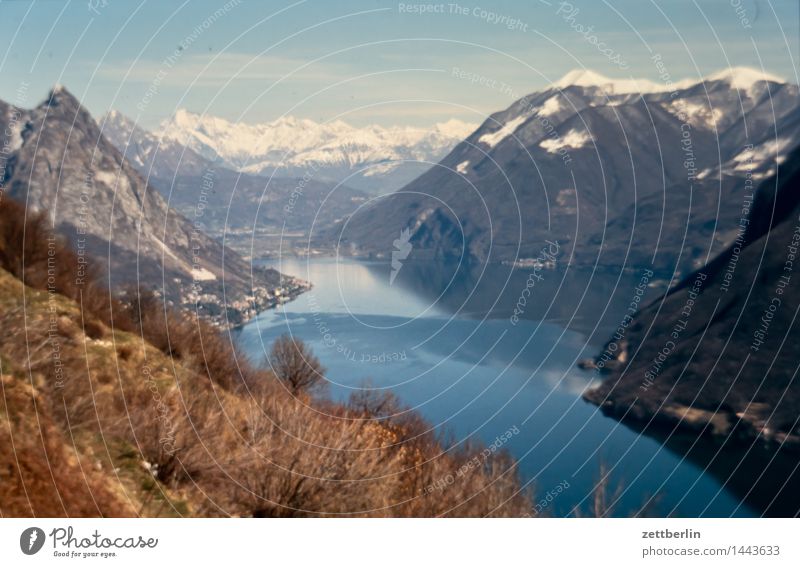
[442, 338]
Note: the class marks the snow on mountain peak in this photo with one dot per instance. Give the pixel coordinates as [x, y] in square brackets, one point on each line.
[297, 142]
[586, 78]
[582, 78]
[742, 78]
[114, 118]
[455, 128]
[185, 118]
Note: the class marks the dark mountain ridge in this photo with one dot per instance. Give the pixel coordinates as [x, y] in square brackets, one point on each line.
[718, 353]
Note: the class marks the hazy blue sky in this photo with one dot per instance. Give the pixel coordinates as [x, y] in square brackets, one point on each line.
[368, 61]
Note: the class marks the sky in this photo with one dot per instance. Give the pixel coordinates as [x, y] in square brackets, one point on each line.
[369, 61]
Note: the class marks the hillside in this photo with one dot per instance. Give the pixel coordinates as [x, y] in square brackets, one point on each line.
[718, 353]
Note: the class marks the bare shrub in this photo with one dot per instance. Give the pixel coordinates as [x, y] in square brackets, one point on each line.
[189, 339]
[296, 366]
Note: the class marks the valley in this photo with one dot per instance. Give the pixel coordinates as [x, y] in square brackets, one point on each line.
[611, 242]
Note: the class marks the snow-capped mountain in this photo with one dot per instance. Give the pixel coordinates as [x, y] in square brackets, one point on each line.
[618, 171]
[372, 158]
[152, 157]
[248, 212]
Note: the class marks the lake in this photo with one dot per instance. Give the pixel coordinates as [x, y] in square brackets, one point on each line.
[446, 340]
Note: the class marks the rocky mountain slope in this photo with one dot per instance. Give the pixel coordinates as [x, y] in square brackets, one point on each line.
[718, 353]
[59, 162]
[627, 172]
[372, 158]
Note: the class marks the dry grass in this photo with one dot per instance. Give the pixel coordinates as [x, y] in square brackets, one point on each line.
[153, 412]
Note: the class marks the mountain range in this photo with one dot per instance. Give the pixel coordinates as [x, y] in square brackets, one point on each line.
[258, 216]
[59, 162]
[372, 158]
[592, 162]
[618, 172]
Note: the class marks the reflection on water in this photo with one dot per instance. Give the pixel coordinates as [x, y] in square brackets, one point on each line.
[767, 479]
[582, 300]
[442, 338]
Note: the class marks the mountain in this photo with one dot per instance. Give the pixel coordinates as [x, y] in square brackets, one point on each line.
[60, 163]
[372, 158]
[717, 354]
[257, 216]
[618, 172]
[146, 152]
